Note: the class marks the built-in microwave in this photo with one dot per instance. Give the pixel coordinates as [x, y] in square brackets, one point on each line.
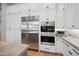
[47, 28]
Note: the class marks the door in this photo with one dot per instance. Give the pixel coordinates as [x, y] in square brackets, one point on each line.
[13, 32]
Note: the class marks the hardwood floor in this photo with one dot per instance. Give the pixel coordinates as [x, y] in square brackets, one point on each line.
[34, 47]
[36, 53]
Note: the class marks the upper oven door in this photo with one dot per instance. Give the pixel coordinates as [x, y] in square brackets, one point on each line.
[47, 28]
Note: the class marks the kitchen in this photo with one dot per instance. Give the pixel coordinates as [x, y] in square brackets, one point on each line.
[45, 27]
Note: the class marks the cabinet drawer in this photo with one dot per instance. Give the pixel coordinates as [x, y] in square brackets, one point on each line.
[47, 48]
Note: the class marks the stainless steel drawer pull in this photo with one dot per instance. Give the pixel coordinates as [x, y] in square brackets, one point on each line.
[70, 53]
[75, 51]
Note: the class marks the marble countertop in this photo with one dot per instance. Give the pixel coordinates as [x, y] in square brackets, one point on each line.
[72, 40]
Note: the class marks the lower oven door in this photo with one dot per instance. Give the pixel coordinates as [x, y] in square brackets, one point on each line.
[50, 40]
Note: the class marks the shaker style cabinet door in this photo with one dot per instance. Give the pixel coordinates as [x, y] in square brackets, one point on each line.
[59, 16]
[13, 32]
[13, 21]
[76, 16]
[69, 17]
[59, 45]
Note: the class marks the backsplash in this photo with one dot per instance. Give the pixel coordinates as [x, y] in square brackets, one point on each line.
[73, 32]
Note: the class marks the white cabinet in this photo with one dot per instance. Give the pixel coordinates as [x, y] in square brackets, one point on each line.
[32, 7]
[60, 20]
[48, 14]
[76, 15]
[59, 45]
[47, 11]
[72, 16]
[47, 5]
[60, 16]
[13, 32]
[48, 48]
[69, 17]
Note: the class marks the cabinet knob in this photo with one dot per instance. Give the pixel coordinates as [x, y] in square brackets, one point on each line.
[63, 26]
[29, 9]
[70, 53]
[47, 7]
[72, 25]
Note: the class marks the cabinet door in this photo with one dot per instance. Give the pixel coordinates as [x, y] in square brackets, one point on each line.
[76, 16]
[66, 51]
[60, 16]
[59, 45]
[60, 20]
[47, 5]
[69, 17]
[48, 14]
[13, 32]
[32, 7]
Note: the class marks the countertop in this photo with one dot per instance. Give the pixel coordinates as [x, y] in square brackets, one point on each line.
[72, 40]
[10, 49]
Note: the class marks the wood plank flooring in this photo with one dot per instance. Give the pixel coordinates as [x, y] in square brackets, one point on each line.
[33, 50]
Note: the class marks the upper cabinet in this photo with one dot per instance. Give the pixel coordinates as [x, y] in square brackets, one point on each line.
[69, 16]
[47, 11]
[59, 16]
[46, 5]
[72, 16]
[76, 16]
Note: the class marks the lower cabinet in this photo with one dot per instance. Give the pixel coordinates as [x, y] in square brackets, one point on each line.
[47, 48]
[59, 45]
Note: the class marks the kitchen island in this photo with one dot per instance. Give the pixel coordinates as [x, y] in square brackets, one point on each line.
[11, 49]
